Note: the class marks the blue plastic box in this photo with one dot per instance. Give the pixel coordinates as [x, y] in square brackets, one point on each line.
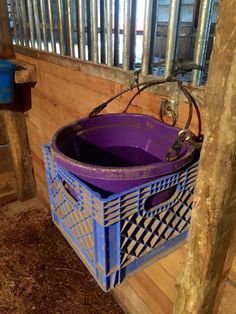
[114, 235]
[6, 81]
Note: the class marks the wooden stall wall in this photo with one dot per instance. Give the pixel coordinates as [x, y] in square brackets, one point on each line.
[62, 95]
[8, 191]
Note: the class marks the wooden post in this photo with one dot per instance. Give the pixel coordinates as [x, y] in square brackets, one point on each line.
[14, 120]
[213, 216]
[6, 46]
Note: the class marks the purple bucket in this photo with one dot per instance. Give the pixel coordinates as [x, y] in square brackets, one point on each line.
[116, 152]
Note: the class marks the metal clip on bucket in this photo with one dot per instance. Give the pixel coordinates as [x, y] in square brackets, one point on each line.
[174, 151]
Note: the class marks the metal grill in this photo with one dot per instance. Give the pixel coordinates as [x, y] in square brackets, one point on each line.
[150, 35]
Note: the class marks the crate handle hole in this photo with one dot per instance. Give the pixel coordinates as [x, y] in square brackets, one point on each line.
[159, 198]
[69, 190]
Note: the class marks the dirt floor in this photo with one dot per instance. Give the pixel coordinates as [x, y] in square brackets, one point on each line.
[39, 272]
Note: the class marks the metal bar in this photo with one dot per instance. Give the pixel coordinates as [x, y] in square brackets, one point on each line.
[81, 28]
[109, 19]
[51, 26]
[88, 29]
[18, 18]
[147, 37]
[133, 34]
[37, 24]
[60, 27]
[153, 38]
[65, 27]
[31, 22]
[24, 22]
[78, 25]
[196, 13]
[70, 30]
[116, 33]
[159, 71]
[102, 31]
[94, 11]
[44, 25]
[126, 35]
[173, 28]
[14, 20]
[202, 36]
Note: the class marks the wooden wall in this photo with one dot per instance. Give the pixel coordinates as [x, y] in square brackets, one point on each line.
[62, 95]
[7, 178]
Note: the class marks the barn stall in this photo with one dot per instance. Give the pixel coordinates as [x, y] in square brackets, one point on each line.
[68, 60]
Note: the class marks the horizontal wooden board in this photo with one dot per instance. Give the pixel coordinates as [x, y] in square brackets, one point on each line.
[114, 74]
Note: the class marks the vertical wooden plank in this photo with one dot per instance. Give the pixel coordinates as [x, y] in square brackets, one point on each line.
[6, 46]
[213, 217]
[14, 119]
[16, 130]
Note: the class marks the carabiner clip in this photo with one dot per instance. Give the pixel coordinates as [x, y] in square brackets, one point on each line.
[184, 135]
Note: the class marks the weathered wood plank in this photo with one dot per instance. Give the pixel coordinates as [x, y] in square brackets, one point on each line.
[213, 217]
[5, 159]
[228, 303]
[6, 46]
[114, 74]
[24, 73]
[18, 142]
[14, 120]
[3, 139]
[8, 197]
[154, 292]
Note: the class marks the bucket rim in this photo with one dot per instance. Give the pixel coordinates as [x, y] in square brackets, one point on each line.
[122, 173]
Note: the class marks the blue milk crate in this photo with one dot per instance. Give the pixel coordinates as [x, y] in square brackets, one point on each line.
[114, 235]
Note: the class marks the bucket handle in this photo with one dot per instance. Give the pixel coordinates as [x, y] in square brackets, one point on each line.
[174, 151]
[137, 85]
[181, 68]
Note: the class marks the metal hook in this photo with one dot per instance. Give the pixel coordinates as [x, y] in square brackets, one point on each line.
[184, 135]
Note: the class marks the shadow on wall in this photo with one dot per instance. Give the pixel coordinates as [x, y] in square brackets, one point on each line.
[22, 98]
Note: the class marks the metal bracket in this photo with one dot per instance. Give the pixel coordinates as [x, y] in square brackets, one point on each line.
[168, 106]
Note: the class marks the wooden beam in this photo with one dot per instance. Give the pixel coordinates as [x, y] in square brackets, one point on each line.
[6, 46]
[25, 72]
[16, 130]
[114, 74]
[213, 217]
[14, 120]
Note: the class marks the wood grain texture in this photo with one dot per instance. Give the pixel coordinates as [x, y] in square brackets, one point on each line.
[3, 137]
[13, 120]
[15, 126]
[6, 46]
[8, 192]
[152, 289]
[212, 231]
[98, 71]
[24, 73]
